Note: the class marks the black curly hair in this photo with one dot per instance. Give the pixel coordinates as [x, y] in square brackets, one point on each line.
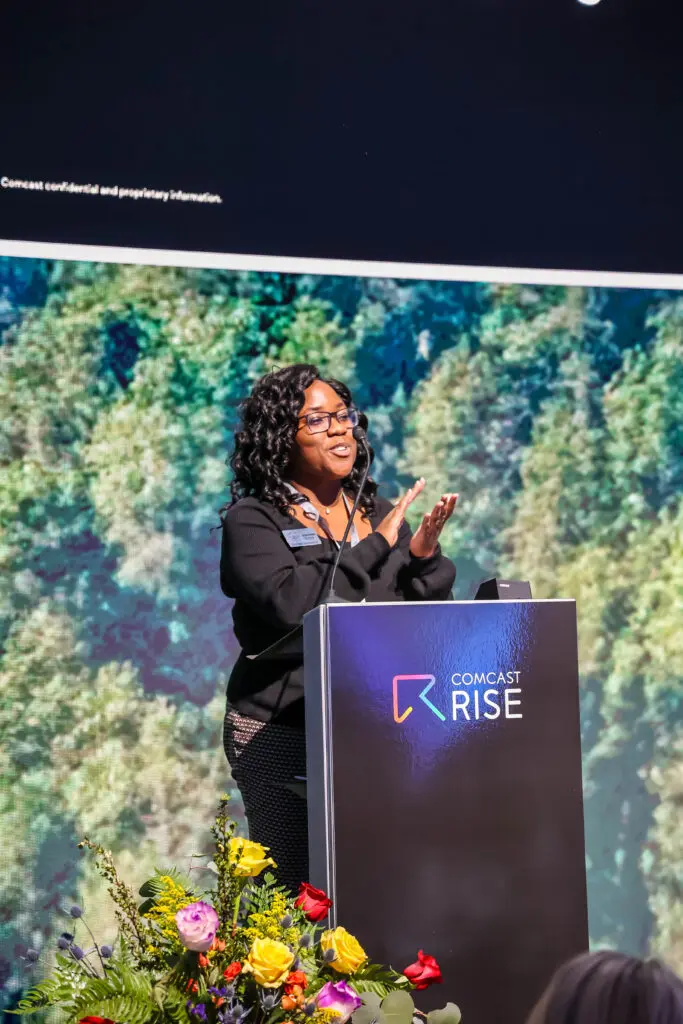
[265, 439]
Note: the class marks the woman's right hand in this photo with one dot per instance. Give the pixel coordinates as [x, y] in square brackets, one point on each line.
[393, 521]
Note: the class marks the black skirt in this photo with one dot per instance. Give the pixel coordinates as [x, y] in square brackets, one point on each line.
[265, 759]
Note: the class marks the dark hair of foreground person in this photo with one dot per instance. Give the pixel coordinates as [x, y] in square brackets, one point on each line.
[611, 988]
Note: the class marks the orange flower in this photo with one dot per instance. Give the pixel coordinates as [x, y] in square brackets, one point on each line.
[232, 970]
[203, 960]
[192, 986]
[296, 979]
[218, 944]
[287, 1003]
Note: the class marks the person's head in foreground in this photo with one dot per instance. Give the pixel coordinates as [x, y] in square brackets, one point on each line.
[611, 988]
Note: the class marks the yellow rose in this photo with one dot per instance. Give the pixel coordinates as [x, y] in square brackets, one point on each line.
[269, 961]
[349, 954]
[248, 859]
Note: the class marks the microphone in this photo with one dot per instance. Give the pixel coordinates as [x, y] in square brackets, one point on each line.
[360, 436]
[290, 645]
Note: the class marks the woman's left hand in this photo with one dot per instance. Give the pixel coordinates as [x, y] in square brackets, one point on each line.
[426, 537]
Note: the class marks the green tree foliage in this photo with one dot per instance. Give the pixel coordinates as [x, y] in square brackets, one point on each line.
[563, 437]
[556, 414]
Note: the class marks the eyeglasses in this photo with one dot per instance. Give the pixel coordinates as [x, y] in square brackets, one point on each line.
[319, 422]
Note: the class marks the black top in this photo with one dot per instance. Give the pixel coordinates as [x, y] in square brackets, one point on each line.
[274, 585]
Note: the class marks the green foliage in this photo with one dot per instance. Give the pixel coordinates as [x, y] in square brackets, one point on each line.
[397, 1007]
[157, 885]
[151, 974]
[51, 992]
[259, 898]
[135, 930]
[557, 415]
[227, 888]
[380, 981]
[449, 1014]
[123, 994]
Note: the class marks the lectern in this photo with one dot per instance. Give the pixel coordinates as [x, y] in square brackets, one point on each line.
[444, 790]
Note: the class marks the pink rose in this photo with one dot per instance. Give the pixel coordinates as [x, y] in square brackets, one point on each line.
[197, 926]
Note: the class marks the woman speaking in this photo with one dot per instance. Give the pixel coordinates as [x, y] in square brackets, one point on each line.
[297, 469]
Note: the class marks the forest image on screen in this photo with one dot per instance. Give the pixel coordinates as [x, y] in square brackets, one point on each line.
[555, 412]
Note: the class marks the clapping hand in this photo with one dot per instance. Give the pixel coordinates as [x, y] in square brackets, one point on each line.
[393, 521]
[426, 537]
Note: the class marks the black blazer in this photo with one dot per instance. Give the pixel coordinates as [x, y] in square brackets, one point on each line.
[274, 585]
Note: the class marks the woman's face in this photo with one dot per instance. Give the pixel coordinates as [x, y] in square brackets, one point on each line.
[328, 454]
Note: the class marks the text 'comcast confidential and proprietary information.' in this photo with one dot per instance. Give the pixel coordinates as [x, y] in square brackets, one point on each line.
[109, 191]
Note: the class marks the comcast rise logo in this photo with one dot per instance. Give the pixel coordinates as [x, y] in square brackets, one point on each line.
[475, 695]
[430, 681]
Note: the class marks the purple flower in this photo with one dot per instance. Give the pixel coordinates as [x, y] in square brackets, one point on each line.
[197, 926]
[106, 952]
[340, 997]
[32, 955]
[76, 911]
[63, 942]
[196, 1011]
[77, 953]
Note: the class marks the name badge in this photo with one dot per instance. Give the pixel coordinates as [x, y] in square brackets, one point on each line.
[304, 538]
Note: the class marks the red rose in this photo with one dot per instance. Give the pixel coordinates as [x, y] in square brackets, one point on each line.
[425, 971]
[314, 902]
[95, 1020]
[295, 978]
[232, 970]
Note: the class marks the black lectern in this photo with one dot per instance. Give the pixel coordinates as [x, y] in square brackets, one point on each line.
[444, 789]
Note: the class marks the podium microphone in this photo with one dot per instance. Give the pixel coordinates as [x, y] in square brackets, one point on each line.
[332, 598]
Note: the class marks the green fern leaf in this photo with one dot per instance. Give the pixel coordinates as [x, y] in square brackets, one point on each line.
[154, 886]
[175, 1006]
[118, 1008]
[379, 988]
[45, 993]
[258, 895]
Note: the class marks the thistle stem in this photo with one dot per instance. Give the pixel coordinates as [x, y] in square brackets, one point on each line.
[95, 945]
[85, 965]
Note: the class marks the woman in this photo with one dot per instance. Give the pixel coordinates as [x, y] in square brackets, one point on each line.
[296, 471]
[611, 988]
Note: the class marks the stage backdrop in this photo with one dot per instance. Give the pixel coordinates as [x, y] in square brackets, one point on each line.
[557, 413]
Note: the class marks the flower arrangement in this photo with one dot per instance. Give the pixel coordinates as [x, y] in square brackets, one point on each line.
[246, 951]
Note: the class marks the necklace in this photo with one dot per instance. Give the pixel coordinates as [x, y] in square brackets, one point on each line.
[326, 510]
